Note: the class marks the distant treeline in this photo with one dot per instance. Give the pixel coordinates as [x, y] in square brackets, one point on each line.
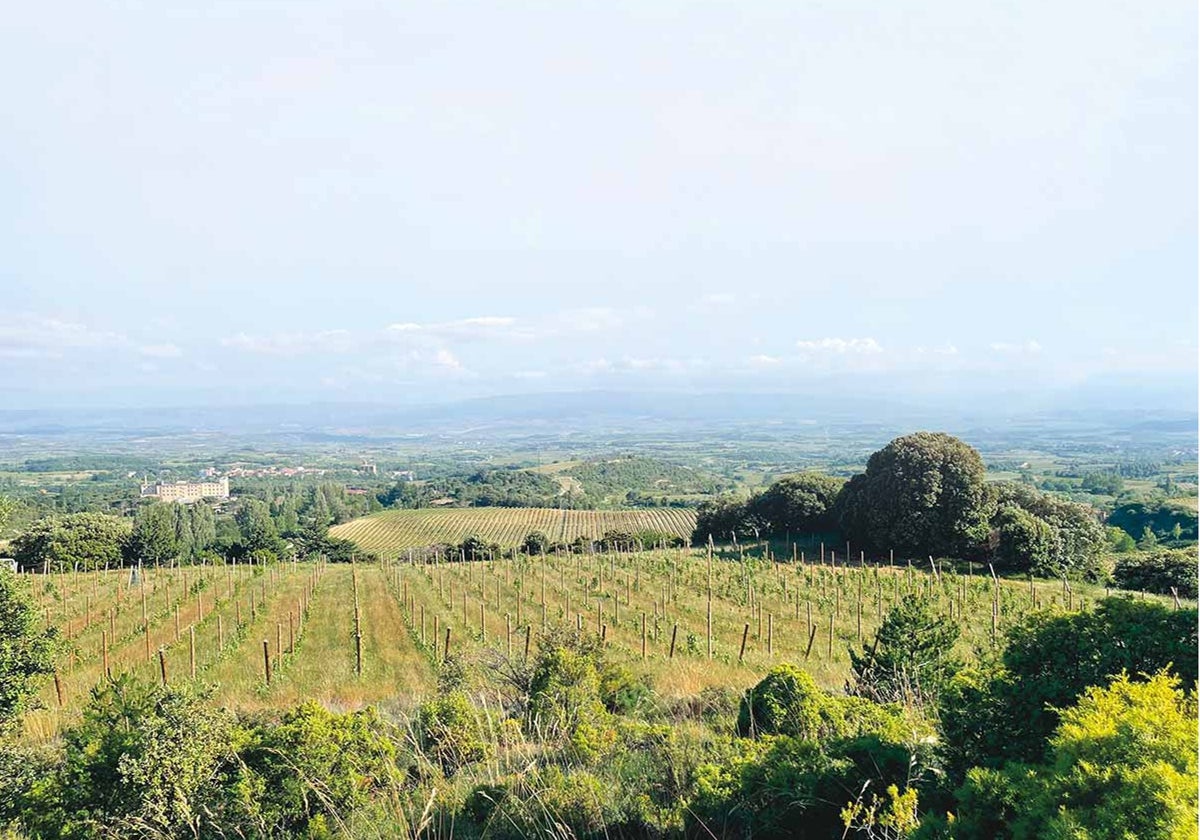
[626, 481]
[925, 494]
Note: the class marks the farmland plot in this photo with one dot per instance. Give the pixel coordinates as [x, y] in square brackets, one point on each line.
[393, 532]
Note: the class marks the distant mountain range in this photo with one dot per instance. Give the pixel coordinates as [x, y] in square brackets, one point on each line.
[1164, 404]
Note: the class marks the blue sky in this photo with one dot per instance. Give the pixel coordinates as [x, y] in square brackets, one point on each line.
[340, 201]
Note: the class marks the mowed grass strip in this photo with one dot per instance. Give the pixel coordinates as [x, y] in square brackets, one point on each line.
[391, 533]
[394, 671]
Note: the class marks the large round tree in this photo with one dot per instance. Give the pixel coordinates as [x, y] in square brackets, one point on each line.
[921, 494]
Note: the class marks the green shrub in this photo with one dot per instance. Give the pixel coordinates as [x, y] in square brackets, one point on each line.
[144, 760]
[448, 732]
[786, 787]
[564, 702]
[787, 701]
[912, 657]
[622, 691]
[26, 649]
[1007, 711]
[297, 773]
[1122, 764]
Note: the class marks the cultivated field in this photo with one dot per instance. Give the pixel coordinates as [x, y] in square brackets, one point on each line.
[392, 532]
[348, 635]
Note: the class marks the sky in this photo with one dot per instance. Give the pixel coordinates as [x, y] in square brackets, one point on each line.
[338, 201]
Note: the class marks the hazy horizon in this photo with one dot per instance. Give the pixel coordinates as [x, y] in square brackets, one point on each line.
[330, 202]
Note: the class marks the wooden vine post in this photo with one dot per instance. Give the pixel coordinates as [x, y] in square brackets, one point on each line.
[357, 625]
[709, 626]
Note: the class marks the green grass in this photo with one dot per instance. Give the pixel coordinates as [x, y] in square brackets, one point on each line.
[668, 587]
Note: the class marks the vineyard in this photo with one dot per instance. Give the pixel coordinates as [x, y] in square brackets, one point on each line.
[347, 635]
[391, 532]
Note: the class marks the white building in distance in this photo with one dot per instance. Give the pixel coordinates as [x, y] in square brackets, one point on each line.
[187, 491]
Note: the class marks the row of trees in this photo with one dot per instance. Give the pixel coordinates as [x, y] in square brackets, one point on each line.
[292, 520]
[923, 493]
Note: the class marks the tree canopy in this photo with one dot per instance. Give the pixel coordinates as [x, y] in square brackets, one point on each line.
[77, 540]
[923, 493]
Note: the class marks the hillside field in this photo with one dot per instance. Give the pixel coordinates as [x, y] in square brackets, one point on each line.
[211, 624]
[391, 532]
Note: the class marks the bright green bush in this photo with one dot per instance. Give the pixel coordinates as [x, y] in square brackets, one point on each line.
[1008, 711]
[304, 770]
[1122, 764]
[787, 701]
[449, 733]
[564, 702]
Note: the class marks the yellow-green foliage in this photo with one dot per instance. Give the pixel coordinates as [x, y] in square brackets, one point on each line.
[449, 731]
[565, 701]
[787, 701]
[1122, 765]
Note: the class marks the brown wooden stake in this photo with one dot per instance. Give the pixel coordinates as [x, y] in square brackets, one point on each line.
[812, 635]
[708, 623]
[745, 633]
[267, 661]
[643, 635]
[528, 634]
[220, 634]
[58, 692]
[674, 632]
[446, 647]
[192, 649]
[830, 652]
[770, 634]
[104, 652]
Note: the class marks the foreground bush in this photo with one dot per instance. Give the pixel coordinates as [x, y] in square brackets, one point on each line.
[448, 732]
[787, 701]
[1007, 711]
[152, 762]
[1122, 764]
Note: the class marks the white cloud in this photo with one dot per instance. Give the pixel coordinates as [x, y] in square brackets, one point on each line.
[946, 349]
[160, 351]
[290, 344]
[485, 327]
[29, 336]
[446, 360]
[763, 360]
[841, 346]
[600, 365]
[1029, 347]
